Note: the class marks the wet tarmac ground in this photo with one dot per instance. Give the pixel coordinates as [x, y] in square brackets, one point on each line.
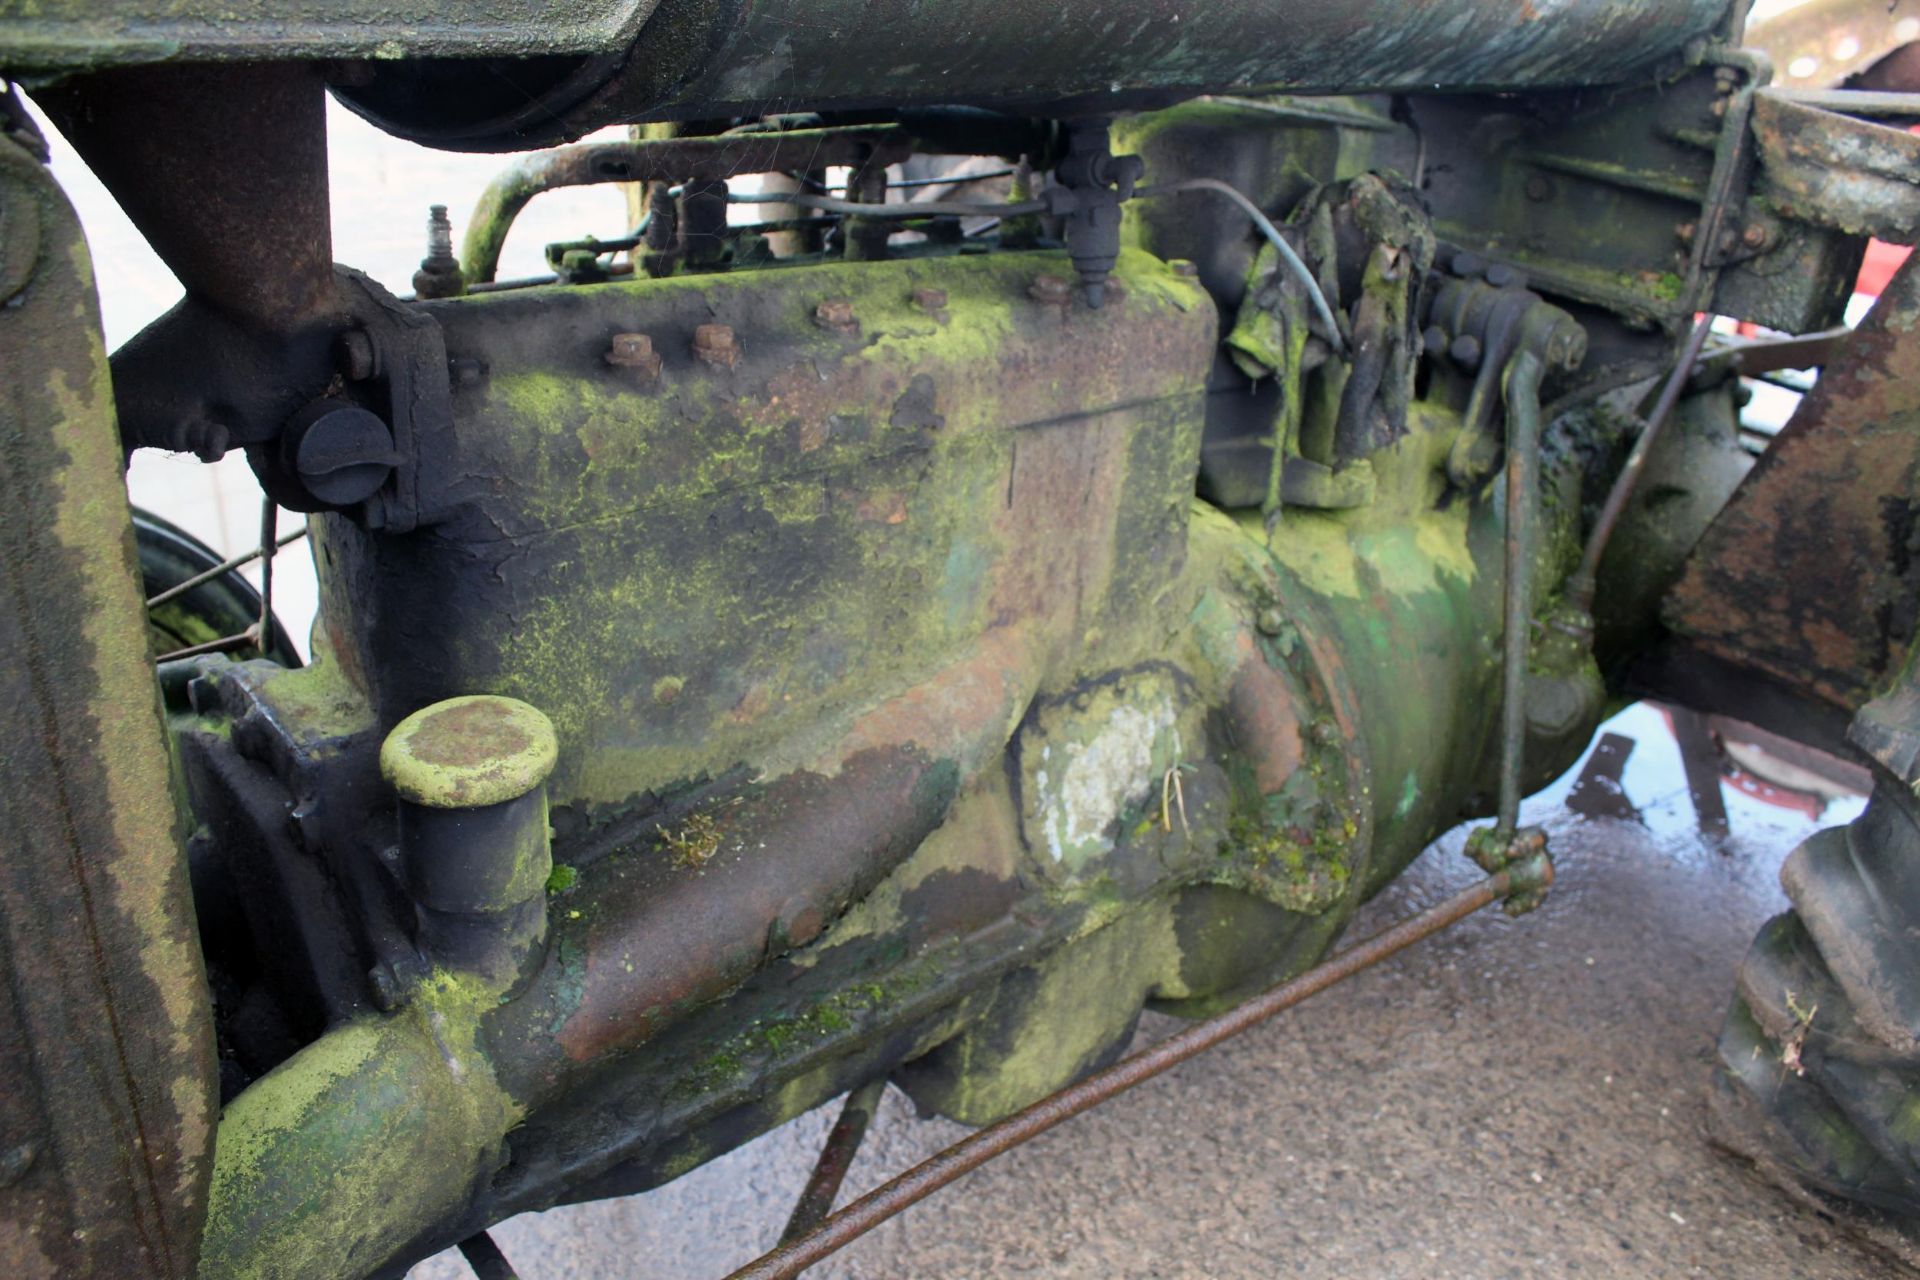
[1513, 1098]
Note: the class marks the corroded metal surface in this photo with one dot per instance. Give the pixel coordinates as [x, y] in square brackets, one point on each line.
[1808, 576]
[106, 1043]
[1831, 170]
[697, 61]
[70, 34]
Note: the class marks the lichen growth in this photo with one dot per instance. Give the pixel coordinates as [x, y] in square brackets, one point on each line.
[694, 841]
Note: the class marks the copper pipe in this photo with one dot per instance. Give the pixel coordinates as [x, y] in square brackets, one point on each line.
[792, 1257]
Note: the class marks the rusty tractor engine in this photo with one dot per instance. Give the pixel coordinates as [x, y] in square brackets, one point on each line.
[891, 638]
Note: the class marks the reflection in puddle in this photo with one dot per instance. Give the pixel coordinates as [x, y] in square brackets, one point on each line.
[1598, 791]
[1698, 782]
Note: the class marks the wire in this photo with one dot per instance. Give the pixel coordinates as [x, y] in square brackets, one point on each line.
[926, 208]
[1271, 232]
[959, 177]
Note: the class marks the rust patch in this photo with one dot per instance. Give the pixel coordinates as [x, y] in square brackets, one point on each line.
[1265, 717]
[468, 735]
[1811, 573]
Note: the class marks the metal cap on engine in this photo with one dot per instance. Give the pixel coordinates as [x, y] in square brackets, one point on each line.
[469, 753]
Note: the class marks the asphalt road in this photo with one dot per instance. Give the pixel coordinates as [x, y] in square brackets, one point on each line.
[1514, 1098]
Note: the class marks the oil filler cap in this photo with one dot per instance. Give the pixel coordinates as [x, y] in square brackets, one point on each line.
[341, 452]
[469, 753]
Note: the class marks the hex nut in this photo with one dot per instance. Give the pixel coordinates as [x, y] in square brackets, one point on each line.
[836, 316]
[715, 344]
[634, 353]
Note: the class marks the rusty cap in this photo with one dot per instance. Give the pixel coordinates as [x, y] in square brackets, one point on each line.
[467, 753]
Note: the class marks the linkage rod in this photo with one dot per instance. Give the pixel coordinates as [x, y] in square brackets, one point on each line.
[792, 1257]
[836, 1157]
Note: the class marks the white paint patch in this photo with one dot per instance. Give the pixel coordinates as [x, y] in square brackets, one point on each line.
[1083, 786]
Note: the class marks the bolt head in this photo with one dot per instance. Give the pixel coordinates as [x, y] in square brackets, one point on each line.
[1503, 275]
[928, 299]
[1271, 621]
[1051, 290]
[1539, 187]
[633, 353]
[1755, 235]
[1185, 268]
[1465, 351]
[836, 316]
[715, 344]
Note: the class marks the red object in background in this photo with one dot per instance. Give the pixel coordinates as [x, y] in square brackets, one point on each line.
[1881, 262]
[1883, 259]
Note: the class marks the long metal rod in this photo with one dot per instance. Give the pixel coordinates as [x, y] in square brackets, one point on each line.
[1523, 464]
[245, 558]
[484, 1256]
[792, 1257]
[836, 1157]
[1581, 586]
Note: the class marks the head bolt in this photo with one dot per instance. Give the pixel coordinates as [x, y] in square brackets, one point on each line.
[1271, 621]
[439, 274]
[1051, 290]
[836, 316]
[1465, 351]
[1755, 235]
[634, 353]
[928, 299]
[1185, 268]
[1539, 187]
[715, 344]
